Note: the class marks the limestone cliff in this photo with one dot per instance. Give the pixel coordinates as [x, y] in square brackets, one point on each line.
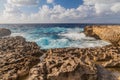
[110, 33]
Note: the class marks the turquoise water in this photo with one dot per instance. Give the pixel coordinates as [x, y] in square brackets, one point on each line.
[55, 36]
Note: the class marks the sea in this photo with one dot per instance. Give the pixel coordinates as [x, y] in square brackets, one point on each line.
[50, 36]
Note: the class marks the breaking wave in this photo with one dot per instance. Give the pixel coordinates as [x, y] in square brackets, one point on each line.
[56, 37]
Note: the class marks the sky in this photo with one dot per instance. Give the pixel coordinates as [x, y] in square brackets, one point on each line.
[59, 11]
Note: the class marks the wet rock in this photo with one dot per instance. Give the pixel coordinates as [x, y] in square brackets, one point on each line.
[4, 32]
[17, 57]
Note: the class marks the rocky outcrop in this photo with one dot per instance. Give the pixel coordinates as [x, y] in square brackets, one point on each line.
[64, 64]
[76, 64]
[22, 60]
[17, 57]
[19, 60]
[110, 33]
[4, 32]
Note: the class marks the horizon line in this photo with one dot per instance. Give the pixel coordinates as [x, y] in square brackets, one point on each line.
[63, 23]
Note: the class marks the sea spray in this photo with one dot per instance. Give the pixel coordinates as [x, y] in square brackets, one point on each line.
[55, 36]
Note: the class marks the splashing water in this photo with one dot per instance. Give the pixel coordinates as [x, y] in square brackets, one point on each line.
[55, 36]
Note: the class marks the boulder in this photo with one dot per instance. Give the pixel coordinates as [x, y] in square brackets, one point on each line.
[110, 33]
[4, 32]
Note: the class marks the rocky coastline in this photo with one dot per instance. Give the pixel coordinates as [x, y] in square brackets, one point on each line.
[22, 60]
[110, 33]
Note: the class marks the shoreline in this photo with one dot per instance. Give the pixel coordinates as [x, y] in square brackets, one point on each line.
[20, 58]
[64, 23]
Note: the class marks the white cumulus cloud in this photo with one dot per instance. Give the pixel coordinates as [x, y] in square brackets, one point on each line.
[50, 1]
[116, 7]
[91, 11]
[23, 2]
[104, 6]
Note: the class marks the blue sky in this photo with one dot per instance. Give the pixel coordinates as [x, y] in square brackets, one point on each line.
[2, 2]
[64, 3]
[59, 11]
[69, 3]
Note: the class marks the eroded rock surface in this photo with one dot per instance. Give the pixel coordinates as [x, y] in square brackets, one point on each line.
[110, 33]
[4, 32]
[76, 64]
[64, 64]
[17, 57]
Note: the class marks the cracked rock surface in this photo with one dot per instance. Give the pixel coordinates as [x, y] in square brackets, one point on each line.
[17, 57]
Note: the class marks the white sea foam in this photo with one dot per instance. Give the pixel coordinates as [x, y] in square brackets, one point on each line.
[59, 37]
[75, 36]
[18, 34]
[86, 44]
[82, 41]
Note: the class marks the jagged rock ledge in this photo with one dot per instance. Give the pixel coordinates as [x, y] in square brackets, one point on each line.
[17, 57]
[110, 33]
[78, 64]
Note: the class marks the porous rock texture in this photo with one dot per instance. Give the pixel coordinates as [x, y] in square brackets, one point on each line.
[4, 32]
[77, 64]
[17, 57]
[83, 64]
[110, 33]
[22, 60]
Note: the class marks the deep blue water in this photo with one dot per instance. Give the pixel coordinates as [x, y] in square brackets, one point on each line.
[55, 35]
